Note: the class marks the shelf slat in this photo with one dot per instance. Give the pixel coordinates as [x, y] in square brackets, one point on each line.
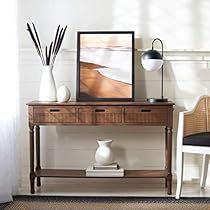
[64, 173]
[69, 173]
[145, 173]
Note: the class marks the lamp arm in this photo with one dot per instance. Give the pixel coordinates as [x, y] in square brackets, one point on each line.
[157, 39]
[160, 43]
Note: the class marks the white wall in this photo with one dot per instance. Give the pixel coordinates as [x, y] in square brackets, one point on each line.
[181, 25]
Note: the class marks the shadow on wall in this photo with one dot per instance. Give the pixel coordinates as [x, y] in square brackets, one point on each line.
[140, 89]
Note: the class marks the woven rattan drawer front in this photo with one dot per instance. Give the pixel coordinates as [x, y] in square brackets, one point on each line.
[85, 115]
[110, 115]
[100, 115]
[54, 114]
[144, 115]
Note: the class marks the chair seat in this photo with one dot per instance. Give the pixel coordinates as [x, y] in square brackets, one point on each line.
[198, 139]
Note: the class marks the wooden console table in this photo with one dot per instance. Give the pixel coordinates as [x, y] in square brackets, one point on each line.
[139, 113]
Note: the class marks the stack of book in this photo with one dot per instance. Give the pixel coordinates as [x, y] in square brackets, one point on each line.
[112, 170]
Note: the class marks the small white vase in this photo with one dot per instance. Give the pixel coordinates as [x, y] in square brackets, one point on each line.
[104, 154]
[63, 94]
[47, 91]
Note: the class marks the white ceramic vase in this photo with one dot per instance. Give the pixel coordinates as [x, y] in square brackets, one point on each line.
[47, 91]
[63, 94]
[104, 154]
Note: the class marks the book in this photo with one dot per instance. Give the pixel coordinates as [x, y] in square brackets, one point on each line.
[91, 172]
[107, 167]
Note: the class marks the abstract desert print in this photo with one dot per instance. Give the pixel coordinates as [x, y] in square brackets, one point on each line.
[106, 65]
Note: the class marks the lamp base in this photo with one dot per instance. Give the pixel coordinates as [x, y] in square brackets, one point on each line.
[153, 100]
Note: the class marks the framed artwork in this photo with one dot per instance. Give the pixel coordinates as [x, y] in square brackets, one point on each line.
[105, 66]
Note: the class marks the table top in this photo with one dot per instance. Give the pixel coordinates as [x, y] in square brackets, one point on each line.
[96, 103]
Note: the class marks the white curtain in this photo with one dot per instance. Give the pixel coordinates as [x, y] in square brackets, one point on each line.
[8, 99]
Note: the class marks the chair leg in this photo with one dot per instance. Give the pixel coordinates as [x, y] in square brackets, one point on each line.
[204, 170]
[179, 165]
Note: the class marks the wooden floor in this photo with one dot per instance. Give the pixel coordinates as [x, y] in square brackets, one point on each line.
[117, 187]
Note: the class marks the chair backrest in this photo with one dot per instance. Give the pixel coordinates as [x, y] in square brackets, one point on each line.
[197, 121]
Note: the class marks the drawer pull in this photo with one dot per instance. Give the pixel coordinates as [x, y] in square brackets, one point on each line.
[146, 110]
[100, 110]
[54, 110]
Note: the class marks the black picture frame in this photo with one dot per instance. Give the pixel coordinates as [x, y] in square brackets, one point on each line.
[105, 66]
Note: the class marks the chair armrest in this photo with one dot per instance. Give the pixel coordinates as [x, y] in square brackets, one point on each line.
[188, 125]
[180, 131]
[196, 119]
[188, 120]
[193, 121]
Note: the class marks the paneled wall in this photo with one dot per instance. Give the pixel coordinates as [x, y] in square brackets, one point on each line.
[180, 25]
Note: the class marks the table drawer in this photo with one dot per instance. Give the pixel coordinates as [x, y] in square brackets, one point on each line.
[146, 115]
[55, 114]
[108, 115]
[85, 116]
[100, 115]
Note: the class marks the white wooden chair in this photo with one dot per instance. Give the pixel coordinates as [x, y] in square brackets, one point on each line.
[193, 136]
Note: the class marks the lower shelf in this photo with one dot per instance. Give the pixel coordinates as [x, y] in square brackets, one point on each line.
[69, 173]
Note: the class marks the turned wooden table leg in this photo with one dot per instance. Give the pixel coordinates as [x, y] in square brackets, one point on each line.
[166, 147]
[168, 158]
[38, 167]
[32, 173]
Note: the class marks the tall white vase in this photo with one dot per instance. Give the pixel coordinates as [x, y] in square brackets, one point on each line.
[104, 154]
[47, 91]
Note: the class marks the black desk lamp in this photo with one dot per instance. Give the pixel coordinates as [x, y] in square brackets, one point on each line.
[152, 60]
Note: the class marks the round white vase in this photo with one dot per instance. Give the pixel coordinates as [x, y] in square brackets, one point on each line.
[104, 154]
[63, 94]
[47, 91]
